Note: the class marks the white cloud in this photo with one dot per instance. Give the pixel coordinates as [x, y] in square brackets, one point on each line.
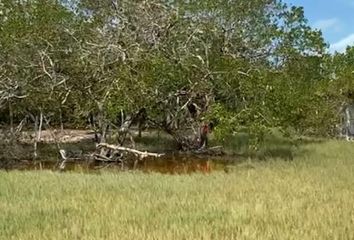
[342, 44]
[327, 24]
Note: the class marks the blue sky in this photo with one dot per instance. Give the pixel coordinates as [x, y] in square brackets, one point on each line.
[334, 17]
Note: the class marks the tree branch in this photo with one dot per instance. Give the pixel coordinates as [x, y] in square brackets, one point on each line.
[141, 155]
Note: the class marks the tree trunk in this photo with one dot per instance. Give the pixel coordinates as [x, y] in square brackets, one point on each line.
[11, 115]
[35, 137]
[61, 121]
[102, 126]
[38, 132]
[140, 129]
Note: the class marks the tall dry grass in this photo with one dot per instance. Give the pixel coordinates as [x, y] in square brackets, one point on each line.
[311, 197]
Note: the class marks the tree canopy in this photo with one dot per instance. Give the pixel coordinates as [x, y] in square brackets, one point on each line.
[244, 65]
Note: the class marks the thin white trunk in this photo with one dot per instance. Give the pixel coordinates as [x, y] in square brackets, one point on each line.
[347, 112]
[38, 133]
[36, 136]
[122, 118]
[40, 126]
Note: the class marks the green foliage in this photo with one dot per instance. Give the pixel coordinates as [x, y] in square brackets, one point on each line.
[256, 64]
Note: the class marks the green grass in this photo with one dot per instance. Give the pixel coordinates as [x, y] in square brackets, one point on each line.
[273, 146]
[311, 197]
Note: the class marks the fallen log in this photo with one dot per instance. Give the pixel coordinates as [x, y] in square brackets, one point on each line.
[103, 158]
[137, 153]
[110, 157]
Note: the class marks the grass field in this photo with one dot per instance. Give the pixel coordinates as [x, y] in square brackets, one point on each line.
[311, 197]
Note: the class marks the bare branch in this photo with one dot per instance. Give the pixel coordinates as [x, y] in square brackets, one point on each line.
[141, 155]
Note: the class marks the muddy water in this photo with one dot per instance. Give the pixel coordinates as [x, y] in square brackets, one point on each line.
[183, 165]
[172, 164]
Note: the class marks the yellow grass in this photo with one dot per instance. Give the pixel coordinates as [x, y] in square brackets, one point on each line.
[311, 197]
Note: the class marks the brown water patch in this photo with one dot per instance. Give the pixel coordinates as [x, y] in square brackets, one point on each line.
[171, 164]
[180, 164]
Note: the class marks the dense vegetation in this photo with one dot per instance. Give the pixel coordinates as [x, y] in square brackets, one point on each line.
[309, 198]
[244, 65]
[251, 69]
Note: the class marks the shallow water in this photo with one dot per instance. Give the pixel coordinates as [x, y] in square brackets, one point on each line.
[171, 164]
[183, 165]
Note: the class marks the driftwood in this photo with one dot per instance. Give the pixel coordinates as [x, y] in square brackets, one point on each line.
[66, 158]
[102, 158]
[137, 153]
[110, 154]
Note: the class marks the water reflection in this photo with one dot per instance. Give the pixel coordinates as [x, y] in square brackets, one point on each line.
[172, 164]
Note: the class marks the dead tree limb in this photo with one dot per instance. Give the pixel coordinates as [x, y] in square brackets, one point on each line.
[64, 159]
[140, 154]
[103, 158]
